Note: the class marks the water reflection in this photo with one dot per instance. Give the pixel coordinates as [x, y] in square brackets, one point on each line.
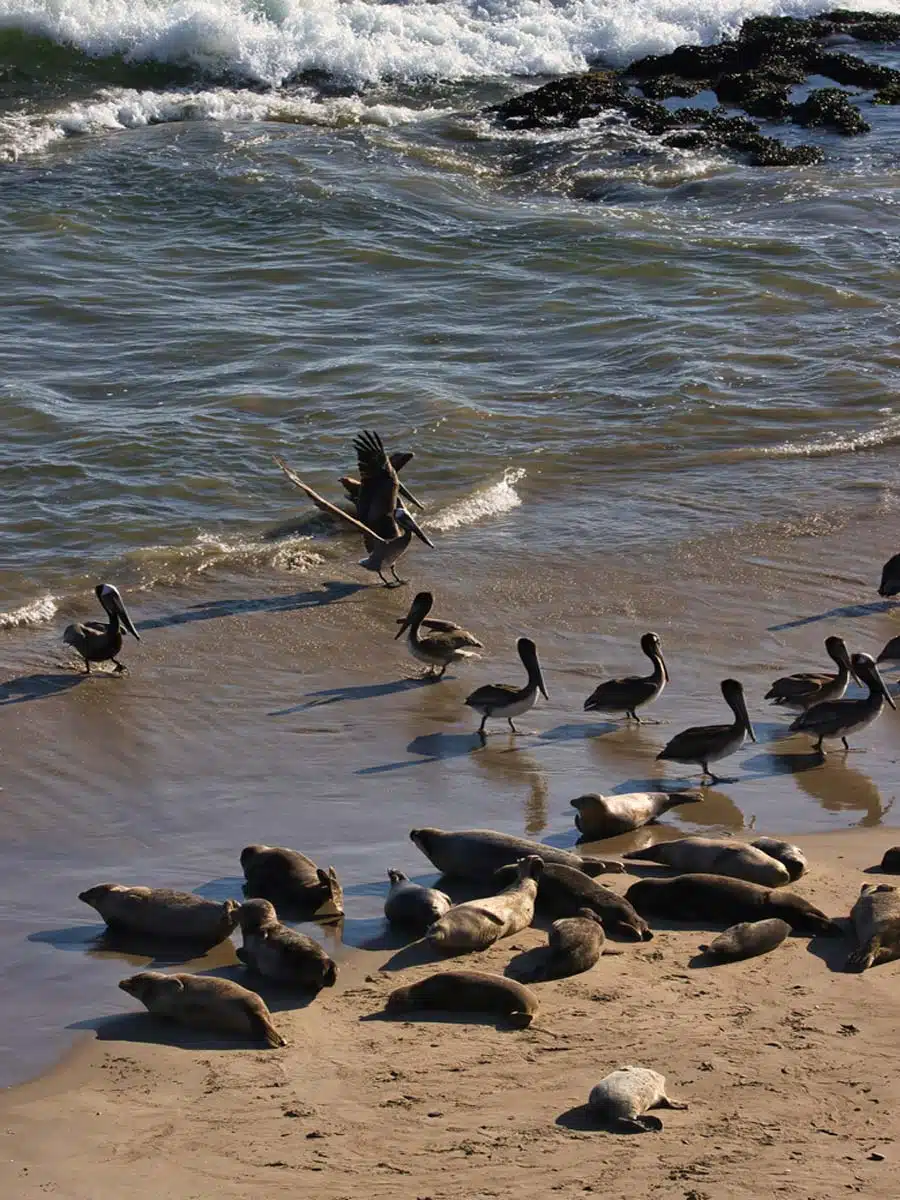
[504, 763]
[838, 787]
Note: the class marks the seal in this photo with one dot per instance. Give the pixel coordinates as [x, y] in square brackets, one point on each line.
[890, 864]
[477, 924]
[717, 898]
[280, 953]
[477, 853]
[574, 946]
[791, 857]
[204, 1002]
[599, 816]
[716, 856]
[162, 913]
[413, 906]
[624, 1096]
[748, 939]
[876, 922]
[288, 877]
[563, 891]
[468, 991]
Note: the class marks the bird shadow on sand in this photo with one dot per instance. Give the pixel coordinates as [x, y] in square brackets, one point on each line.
[155, 1031]
[766, 765]
[38, 687]
[576, 731]
[844, 612]
[210, 610]
[430, 747]
[365, 691]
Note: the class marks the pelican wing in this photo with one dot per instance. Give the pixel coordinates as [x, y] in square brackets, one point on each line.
[379, 485]
[325, 505]
[688, 745]
[829, 715]
[450, 639]
[801, 684]
[616, 694]
[493, 694]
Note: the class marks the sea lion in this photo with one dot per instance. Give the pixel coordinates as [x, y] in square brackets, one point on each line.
[563, 891]
[890, 864]
[717, 898]
[791, 857]
[468, 991]
[204, 1002]
[413, 906]
[876, 922]
[280, 953]
[622, 1097]
[716, 856]
[478, 853]
[162, 912]
[477, 924]
[605, 816]
[574, 944]
[748, 939]
[288, 877]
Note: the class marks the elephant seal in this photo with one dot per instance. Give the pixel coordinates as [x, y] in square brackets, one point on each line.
[468, 991]
[574, 945]
[623, 1097]
[478, 853]
[890, 864]
[413, 906]
[748, 939]
[162, 913]
[605, 816]
[280, 953]
[205, 1002]
[716, 856]
[563, 891]
[791, 857]
[876, 922]
[717, 898]
[477, 924]
[288, 877]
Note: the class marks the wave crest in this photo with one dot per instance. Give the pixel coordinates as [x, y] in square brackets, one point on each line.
[491, 501]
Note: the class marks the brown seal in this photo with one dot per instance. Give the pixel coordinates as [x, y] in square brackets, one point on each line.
[205, 1002]
[574, 945]
[477, 924]
[467, 991]
[563, 891]
[624, 1096]
[478, 853]
[716, 856]
[280, 953]
[748, 939]
[162, 913]
[288, 877]
[876, 922]
[790, 856]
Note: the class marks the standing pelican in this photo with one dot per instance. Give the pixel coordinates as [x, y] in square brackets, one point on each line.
[504, 700]
[704, 744]
[96, 642]
[838, 718]
[440, 647]
[806, 688]
[632, 692]
[890, 577]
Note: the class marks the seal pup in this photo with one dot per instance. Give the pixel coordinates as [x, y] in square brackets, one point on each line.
[703, 744]
[838, 718]
[205, 1002]
[890, 577]
[805, 688]
[747, 940]
[503, 700]
[413, 906]
[716, 856]
[564, 891]
[279, 952]
[890, 864]
[96, 642]
[791, 857]
[629, 694]
[477, 924]
[574, 945]
[286, 876]
[716, 898]
[606, 816]
[876, 922]
[438, 647]
[478, 853]
[467, 991]
[162, 912]
[624, 1096]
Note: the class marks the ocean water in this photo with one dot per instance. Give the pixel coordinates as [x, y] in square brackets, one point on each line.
[645, 387]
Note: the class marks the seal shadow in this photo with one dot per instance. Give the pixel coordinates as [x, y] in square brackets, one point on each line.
[833, 951]
[38, 687]
[156, 1031]
[419, 953]
[439, 1016]
[431, 747]
[845, 611]
[278, 997]
[211, 610]
[523, 967]
[132, 948]
[583, 1119]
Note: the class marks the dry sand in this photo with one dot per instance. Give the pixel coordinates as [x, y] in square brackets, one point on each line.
[791, 1069]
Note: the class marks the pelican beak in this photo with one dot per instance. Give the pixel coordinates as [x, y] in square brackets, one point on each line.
[113, 603]
[746, 716]
[404, 625]
[884, 690]
[664, 667]
[413, 525]
[407, 495]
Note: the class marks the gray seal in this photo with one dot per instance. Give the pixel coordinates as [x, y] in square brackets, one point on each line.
[413, 906]
[748, 939]
[563, 891]
[477, 853]
[624, 1096]
[876, 922]
[467, 991]
[716, 856]
[287, 877]
[162, 912]
[599, 816]
[205, 1002]
[716, 898]
[279, 952]
[791, 857]
[477, 924]
[574, 945]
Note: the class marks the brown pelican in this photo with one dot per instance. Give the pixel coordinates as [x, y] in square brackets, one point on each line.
[806, 688]
[890, 577]
[838, 718]
[708, 743]
[891, 652]
[632, 692]
[440, 647]
[96, 642]
[504, 700]
[398, 461]
[387, 527]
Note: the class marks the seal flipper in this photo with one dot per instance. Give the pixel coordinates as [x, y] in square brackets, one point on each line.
[601, 866]
[866, 956]
[644, 1124]
[242, 956]
[264, 1031]
[665, 1102]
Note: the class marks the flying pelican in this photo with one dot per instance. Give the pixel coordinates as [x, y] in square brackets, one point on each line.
[504, 700]
[632, 692]
[838, 718]
[806, 688]
[96, 642]
[704, 744]
[890, 577]
[398, 461]
[440, 647]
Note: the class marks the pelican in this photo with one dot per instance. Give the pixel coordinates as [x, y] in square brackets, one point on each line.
[440, 647]
[96, 642]
[838, 718]
[891, 652]
[806, 688]
[890, 577]
[387, 527]
[398, 461]
[708, 743]
[504, 700]
[632, 692]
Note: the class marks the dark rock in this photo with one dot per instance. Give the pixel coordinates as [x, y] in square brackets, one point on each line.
[661, 87]
[755, 94]
[831, 108]
[846, 68]
[563, 102]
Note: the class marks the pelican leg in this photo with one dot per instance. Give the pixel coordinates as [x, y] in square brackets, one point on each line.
[820, 749]
[400, 582]
[87, 666]
[846, 746]
[120, 667]
[631, 715]
[512, 727]
[387, 583]
[440, 674]
[481, 726]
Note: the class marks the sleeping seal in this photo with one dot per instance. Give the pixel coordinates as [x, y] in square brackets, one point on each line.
[477, 924]
[413, 906]
[204, 1002]
[605, 816]
[478, 853]
[563, 891]
[876, 922]
[791, 857]
[468, 991]
[574, 945]
[747, 940]
[288, 877]
[717, 898]
[716, 856]
[162, 913]
[623, 1097]
[280, 953]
